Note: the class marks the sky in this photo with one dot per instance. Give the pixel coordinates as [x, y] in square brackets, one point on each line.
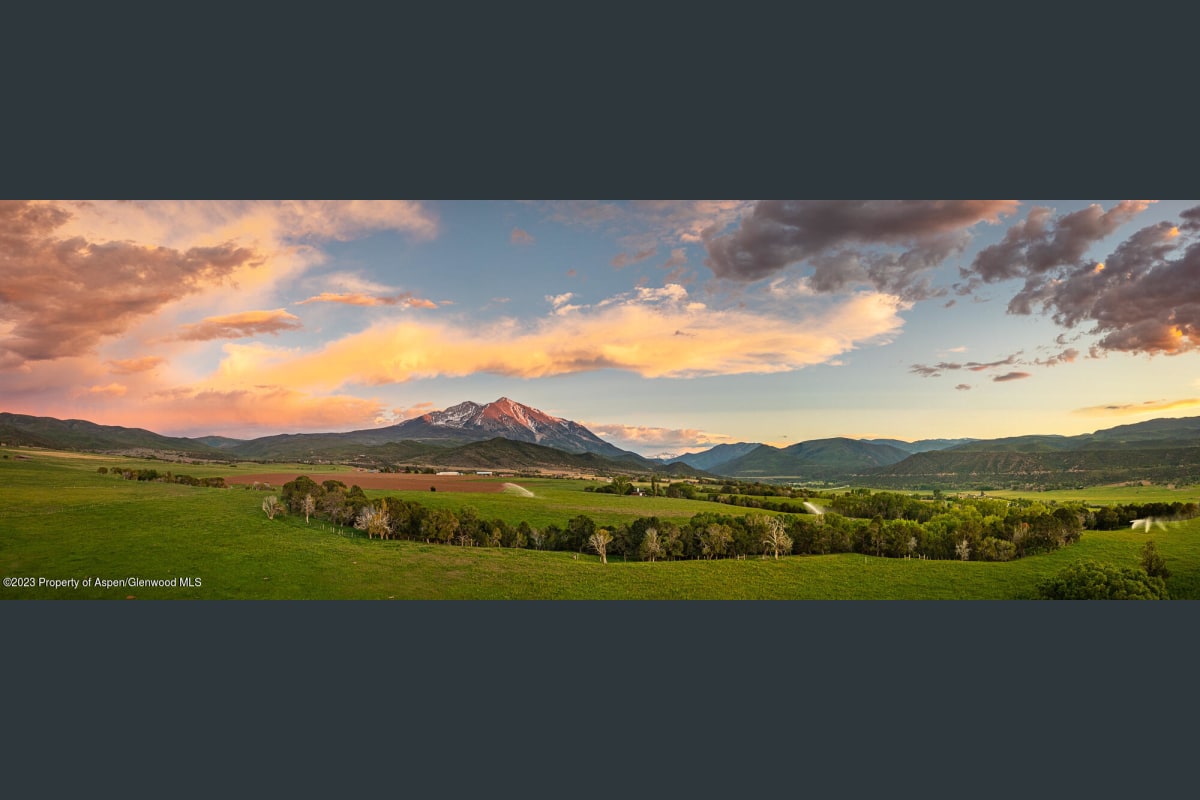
[663, 326]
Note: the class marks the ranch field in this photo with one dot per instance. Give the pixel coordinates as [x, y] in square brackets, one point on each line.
[62, 520]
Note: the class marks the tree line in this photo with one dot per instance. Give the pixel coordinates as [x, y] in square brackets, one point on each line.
[975, 529]
[164, 477]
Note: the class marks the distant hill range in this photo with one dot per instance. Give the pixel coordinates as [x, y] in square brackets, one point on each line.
[508, 435]
[503, 434]
[815, 459]
[1159, 450]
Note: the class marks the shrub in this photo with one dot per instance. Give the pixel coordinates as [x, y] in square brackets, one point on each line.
[1091, 580]
[1154, 564]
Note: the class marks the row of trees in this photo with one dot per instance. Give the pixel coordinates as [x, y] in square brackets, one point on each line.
[163, 477]
[958, 532]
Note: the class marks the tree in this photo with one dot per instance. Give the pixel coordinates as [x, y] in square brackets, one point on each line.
[598, 541]
[775, 536]
[1154, 564]
[537, 537]
[1091, 580]
[374, 521]
[715, 539]
[963, 549]
[272, 506]
[309, 505]
[651, 547]
[439, 525]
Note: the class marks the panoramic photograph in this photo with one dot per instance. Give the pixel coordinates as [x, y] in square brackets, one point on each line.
[600, 400]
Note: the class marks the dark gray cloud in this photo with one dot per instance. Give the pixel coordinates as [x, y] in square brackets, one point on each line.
[832, 236]
[1190, 219]
[1067, 356]
[1042, 242]
[963, 387]
[936, 370]
[63, 295]
[1012, 376]
[1145, 297]
[976, 366]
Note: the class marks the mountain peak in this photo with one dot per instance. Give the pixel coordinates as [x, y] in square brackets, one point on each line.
[509, 419]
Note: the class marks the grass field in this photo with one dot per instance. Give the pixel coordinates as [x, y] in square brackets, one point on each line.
[1107, 495]
[60, 519]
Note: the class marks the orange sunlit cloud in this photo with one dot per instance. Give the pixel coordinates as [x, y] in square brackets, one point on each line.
[112, 389]
[360, 299]
[117, 265]
[237, 326]
[129, 366]
[1139, 408]
[635, 333]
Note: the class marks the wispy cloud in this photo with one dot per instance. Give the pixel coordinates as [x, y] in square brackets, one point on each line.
[1012, 376]
[357, 299]
[237, 326]
[519, 236]
[625, 259]
[129, 366]
[1146, 407]
[112, 389]
[963, 387]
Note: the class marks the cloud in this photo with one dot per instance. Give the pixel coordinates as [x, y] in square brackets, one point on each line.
[1041, 242]
[678, 259]
[974, 366]
[571, 273]
[357, 299]
[934, 371]
[130, 366]
[112, 389]
[1011, 376]
[634, 332]
[688, 220]
[63, 295]
[1145, 297]
[588, 213]
[520, 237]
[625, 259]
[237, 326]
[1146, 407]
[645, 437]
[77, 273]
[1067, 356]
[963, 387]
[829, 236]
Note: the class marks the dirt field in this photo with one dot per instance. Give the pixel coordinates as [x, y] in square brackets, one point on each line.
[381, 480]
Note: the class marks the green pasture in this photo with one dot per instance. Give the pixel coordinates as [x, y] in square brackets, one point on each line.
[1109, 495]
[60, 519]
